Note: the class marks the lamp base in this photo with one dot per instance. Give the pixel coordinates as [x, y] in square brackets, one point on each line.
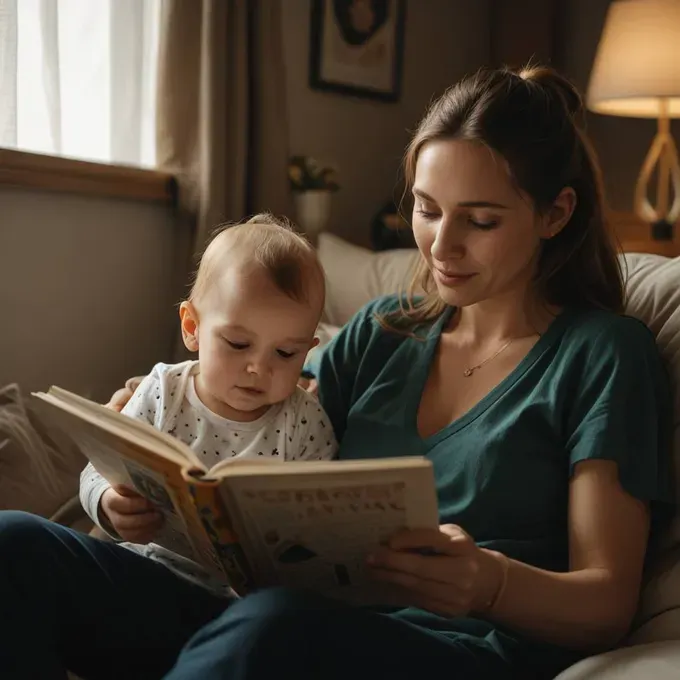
[662, 230]
[663, 153]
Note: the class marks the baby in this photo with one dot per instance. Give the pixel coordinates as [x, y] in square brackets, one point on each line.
[251, 316]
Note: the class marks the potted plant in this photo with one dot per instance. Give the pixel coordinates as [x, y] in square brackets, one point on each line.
[312, 184]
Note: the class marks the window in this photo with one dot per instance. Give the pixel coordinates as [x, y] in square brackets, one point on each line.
[78, 78]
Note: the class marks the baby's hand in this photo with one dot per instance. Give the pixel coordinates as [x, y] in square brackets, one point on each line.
[133, 517]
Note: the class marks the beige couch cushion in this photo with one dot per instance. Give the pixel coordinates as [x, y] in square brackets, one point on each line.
[356, 275]
[657, 661]
[653, 285]
[37, 473]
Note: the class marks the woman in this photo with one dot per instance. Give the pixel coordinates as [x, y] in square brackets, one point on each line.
[544, 412]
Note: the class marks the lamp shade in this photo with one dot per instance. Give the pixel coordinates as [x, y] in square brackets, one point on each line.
[638, 60]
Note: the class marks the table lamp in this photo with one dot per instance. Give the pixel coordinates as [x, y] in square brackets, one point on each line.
[636, 73]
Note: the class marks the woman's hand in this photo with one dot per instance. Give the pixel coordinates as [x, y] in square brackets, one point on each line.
[310, 385]
[121, 397]
[455, 578]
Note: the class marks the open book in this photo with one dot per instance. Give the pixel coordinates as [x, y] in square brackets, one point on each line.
[255, 523]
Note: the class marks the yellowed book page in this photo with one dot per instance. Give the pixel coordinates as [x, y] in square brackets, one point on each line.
[316, 530]
[258, 466]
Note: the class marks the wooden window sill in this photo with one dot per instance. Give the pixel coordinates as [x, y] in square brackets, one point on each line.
[53, 173]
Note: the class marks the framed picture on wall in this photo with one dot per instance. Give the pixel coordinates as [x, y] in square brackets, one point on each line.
[357, 47]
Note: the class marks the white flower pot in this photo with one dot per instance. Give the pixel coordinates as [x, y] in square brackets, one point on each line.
[313, 211]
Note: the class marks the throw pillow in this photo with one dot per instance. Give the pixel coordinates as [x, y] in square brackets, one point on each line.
[38, 474]
[356, 275]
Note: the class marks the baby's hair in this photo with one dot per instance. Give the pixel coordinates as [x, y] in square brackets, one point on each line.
[270, 243]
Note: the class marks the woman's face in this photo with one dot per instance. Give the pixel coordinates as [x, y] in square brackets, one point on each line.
[479, 235]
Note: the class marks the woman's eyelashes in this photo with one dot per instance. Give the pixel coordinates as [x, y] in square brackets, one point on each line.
[484, 223]
[427, 215]
[426, 212]
[240, 346]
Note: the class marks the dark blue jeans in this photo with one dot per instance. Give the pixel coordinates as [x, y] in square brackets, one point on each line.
[68, 600]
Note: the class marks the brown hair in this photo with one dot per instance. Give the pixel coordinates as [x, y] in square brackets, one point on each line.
[270, 243]
[533, 119]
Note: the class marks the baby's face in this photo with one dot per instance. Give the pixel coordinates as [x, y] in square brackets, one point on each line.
[252, 342]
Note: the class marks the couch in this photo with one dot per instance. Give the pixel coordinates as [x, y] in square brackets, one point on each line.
[41, 475]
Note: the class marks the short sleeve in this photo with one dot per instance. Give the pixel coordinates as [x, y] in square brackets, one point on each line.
[336, 365]
[622, 409]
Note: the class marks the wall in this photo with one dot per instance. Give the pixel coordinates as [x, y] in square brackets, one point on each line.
[444, 39]
[87, 286]
[86, 290]
[621, 143]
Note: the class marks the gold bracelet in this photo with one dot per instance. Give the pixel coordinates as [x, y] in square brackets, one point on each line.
[505, 566]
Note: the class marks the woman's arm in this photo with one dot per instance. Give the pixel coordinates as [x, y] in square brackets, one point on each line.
[121, 397]
[590, 607]
[617, 440]
[593, 604]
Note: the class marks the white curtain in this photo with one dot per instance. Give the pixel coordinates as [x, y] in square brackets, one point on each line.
[78, 78]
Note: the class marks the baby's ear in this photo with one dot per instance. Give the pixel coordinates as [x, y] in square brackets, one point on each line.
[188, 317]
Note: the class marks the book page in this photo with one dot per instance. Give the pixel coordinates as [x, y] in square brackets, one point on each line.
[160, 483]
[316, 531]
[125, 460]
[174, 534]
[121, 425]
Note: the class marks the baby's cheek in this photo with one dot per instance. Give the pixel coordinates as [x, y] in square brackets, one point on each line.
[287, 377]
[221, 365]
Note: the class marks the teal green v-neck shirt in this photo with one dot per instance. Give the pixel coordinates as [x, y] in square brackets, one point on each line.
[593, 386]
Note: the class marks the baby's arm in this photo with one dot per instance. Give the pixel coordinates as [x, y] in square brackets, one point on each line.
[92, 488]
[314, 438]
[143, 406]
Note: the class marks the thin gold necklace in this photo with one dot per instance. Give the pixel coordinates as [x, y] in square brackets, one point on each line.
[471, 369]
